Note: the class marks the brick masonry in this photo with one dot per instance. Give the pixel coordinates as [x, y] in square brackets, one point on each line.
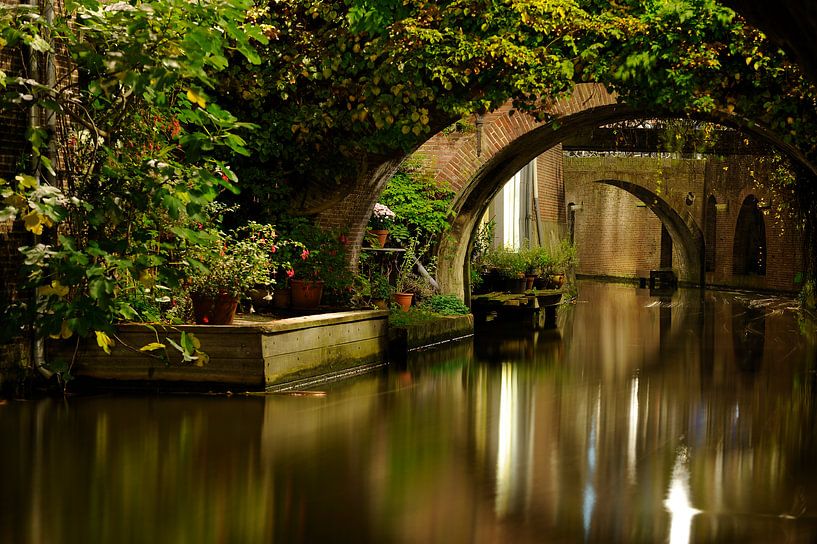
[14, 356]
[477, 161]
[616, 235]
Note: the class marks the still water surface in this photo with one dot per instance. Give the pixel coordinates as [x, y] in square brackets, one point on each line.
[690, 418]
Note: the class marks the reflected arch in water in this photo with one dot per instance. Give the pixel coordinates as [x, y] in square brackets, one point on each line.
[748, 335]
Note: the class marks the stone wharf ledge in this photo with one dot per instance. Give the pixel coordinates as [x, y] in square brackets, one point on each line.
[420, 335]
[251, 353]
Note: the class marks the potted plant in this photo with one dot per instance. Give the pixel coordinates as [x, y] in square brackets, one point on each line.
[565, 262]
[380, 222]
[509, 265]
[232, 266]
[540, 263]
[320, 265]
[402, 296]
[380, 291]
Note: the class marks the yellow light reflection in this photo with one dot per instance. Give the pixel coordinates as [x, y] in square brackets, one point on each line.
[632, 432]
[677, 502]
[505, 473]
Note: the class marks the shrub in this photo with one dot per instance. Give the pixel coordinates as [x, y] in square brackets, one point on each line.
[447, 305]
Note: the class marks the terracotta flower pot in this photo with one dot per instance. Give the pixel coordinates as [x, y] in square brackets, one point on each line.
[306, 294]
[404, 300]
[382, 236]
[529, 280]
[218, 310]
[282, 298]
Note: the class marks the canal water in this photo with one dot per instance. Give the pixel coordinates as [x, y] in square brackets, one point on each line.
[683, 418]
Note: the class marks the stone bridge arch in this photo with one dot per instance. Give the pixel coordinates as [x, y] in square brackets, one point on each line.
[476, 163]
[478, 167]
[683, 227]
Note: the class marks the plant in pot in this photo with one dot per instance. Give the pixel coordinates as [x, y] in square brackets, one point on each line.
[540, 263]
[320, 266]
[510, 266]
[287, 251]
[402, 295]
[380, 222]
[380, 291]
[224, 274]
[565, 261]
[260, 246]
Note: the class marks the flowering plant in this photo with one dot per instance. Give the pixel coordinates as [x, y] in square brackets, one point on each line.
[382, 217]
[236, 262]
[320, 255]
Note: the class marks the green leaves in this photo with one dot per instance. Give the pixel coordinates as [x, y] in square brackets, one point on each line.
[136, 158]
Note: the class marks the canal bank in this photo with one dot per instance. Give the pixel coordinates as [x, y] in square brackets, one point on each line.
[252, 354]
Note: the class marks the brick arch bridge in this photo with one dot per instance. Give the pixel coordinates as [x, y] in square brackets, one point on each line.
[477, 162]
[675, 214]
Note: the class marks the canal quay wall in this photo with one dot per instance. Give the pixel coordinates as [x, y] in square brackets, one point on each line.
[407, 338]
[252, 354]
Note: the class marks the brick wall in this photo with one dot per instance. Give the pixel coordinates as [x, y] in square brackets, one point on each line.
[14, 356]
[616, 235]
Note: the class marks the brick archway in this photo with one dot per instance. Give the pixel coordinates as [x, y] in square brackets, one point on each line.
[681, 224]
[512, 143]
[482, 159]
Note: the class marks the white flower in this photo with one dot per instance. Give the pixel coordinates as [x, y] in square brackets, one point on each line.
[381, 211]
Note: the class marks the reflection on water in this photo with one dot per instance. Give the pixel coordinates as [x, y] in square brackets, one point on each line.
[678, 502]
[678, 419]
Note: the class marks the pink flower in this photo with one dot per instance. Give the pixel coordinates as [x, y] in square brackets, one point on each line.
[304, 254]
[290, 273]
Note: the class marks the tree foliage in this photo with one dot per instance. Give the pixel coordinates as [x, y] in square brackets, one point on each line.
[344, 85]
[124, 152]
[421, 203]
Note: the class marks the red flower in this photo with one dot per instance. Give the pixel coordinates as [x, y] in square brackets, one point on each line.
[224, 177]
[290, 273]
[205, 319]
[343, 240]
[305, 254]
[273, 249]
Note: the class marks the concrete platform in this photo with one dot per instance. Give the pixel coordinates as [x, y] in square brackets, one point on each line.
[420, 335]
[252, 353]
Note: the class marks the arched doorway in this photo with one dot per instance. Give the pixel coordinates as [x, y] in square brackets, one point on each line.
[710, 233]
[749, 249]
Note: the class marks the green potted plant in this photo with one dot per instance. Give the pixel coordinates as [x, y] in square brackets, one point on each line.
[565, 262]
[380, 291]
[402, 295]
[320, 265]
[232, 266]
[510, 266]
[540, 263]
